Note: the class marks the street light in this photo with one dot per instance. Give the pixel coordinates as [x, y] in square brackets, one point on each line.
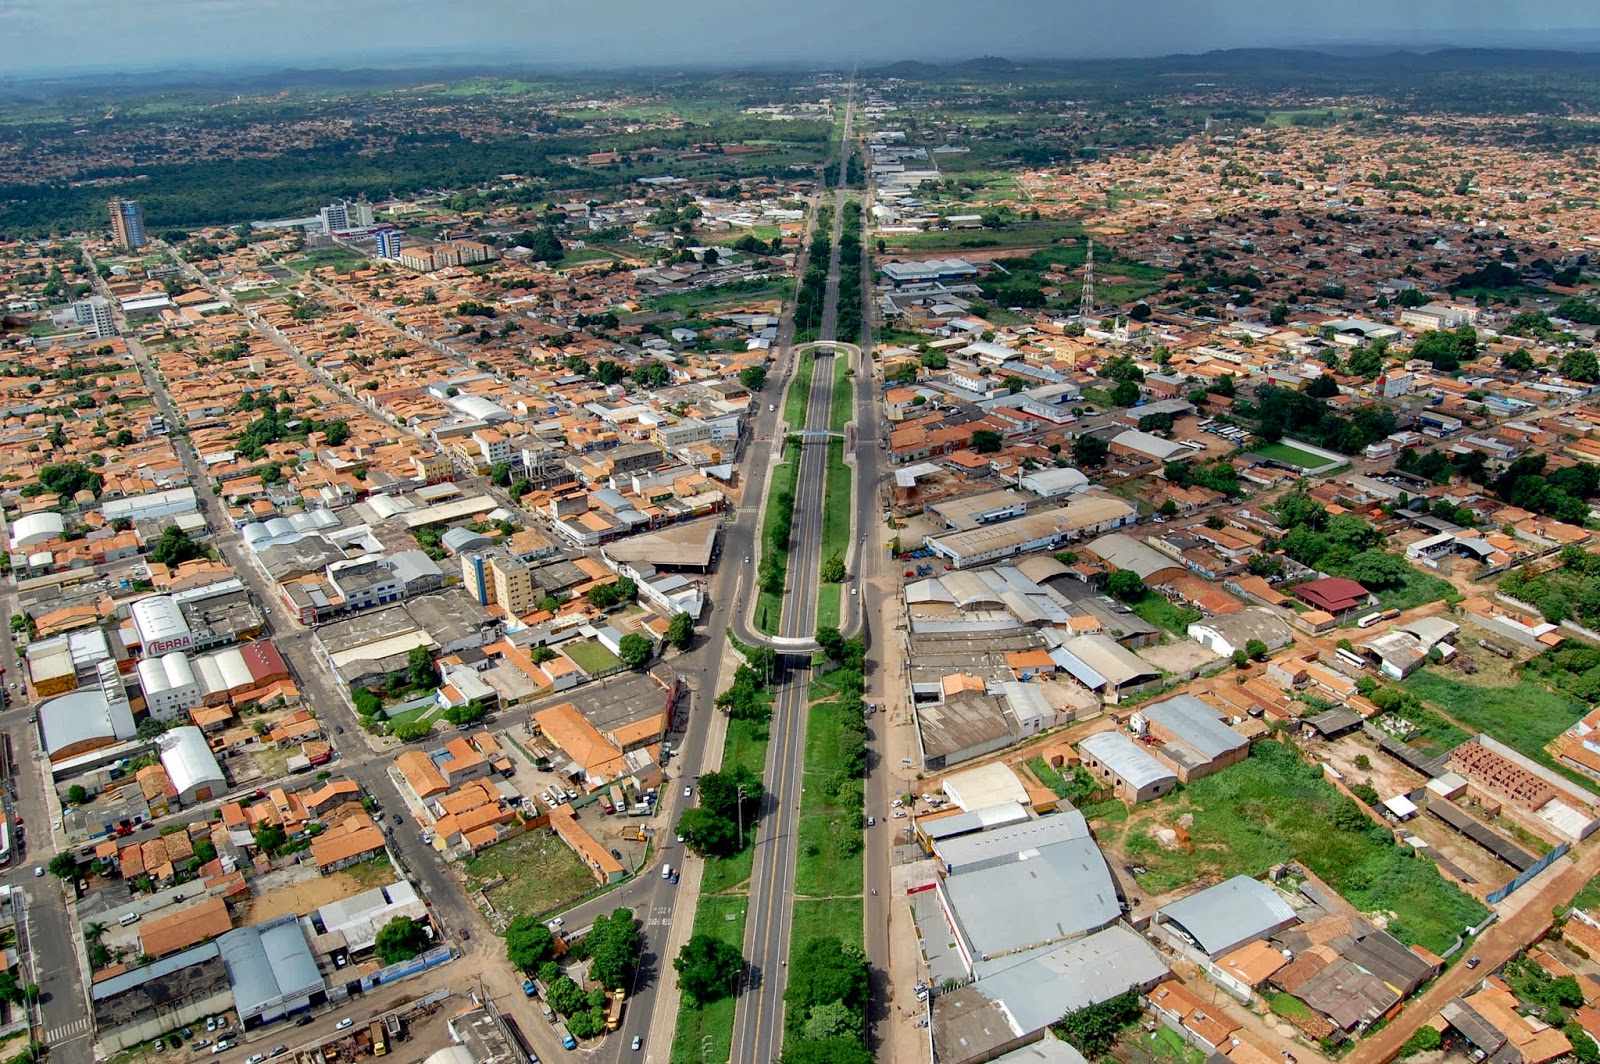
[741, 816]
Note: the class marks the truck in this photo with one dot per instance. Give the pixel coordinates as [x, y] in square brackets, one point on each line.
[391, 1024]
[380, 1046]
[549, 1013]
[614, 1013]
[567, 1041]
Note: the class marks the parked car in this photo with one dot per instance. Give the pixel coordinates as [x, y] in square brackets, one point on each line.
[344, 1024]
[255, 1058]
[872, 821]
[278, 1051]
[1473, 962]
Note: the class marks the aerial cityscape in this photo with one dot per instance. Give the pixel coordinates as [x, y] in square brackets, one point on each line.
[969, 545]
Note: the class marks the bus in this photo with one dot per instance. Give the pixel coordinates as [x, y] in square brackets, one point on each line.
[1373, 618]
[380, 1045]
[1354, 660]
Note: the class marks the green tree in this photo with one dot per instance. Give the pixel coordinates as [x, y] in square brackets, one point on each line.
[77, 794]
[420, 668]
[413, 730]
[825, 971]
[401, 939]
[708, 833]
[1126, 393]
[1126, 585]
[1240, 659]
[566, 996]
[614, 945]
[832, 569]
[1256, 649]
[753, 377]
[174, 547]
[63, 866]
[680, 631]
[1581, 366]
[529, 944]
[270, 838]
[1093, 1029]
[825, 1051]
[987, 441]
[635, 650]
[1517, 360]
[1090, 450]
[337, 433]
[708, 969]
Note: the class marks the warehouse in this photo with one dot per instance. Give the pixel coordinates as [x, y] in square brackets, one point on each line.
[170, 686]
[1103, 665]
[1194, 741]
[272, 970]
[1134, 775]
[159, 624]
[1085, 515]
[1229, 632]
[190, 765]
[1221, 918]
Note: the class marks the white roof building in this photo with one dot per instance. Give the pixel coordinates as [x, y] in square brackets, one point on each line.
[160, 625]
[31, 529]
[190, 764]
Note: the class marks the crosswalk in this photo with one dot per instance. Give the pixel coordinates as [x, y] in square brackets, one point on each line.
[72, 1030]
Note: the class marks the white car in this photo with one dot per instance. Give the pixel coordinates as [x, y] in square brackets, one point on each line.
[344, 1024]
[899, 814]
[687, 791]
[555, 925]
[896, 804]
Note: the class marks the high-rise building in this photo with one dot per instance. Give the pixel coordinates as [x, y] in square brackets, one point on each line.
[94, 314]
[363, 212]
[389, 243]
[496, 577]
[335, 216]
[127, 225]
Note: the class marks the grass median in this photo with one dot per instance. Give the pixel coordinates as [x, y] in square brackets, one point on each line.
[769, 606]
[837, 498]
[706, 1034]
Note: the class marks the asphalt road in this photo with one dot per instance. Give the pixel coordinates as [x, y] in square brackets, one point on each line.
[758, 1020]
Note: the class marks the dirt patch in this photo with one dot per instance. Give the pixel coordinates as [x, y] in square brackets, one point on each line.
[301, 898]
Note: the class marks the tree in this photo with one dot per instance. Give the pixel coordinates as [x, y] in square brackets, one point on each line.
[270, 838]
[1322, 386]
[635, 650]
[831, 1019]
[1126, 393]
[174, 547]
[336, 433]
[1090, 450]
[987, 441]
[1297, 509]
[708, 969]
[680, 631]
[566, 996]
[825, 1051]
[753, 377]
[205, 851]
[832, 569]
[500, 474]
[469, 714]
[401, 939]
[1279, 315]
[1581, 366]
[1240, 659]
[1139, 312]
[76, 794]
[823, 972]
[1092, 1030]
[419, 667]
[413, 730]
[1015, 384]
[1256, 649]
[64, 866]
[1376, 569]
[1126, 585]
[613, 944]
[707, 833]
[1518, 360]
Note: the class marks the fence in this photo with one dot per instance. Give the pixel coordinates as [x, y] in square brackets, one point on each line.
[1497, 896]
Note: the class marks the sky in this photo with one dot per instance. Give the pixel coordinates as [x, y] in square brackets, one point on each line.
[48, 36]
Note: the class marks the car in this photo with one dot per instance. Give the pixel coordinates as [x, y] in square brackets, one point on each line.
[466, 936]
[38, 870]
[872, 821]
[680, 837]
[687, 791]
[617, 854]
[303, 1021]
[638, 1043]
[339, 728]
[747, 559]
[33, 718]
[555, 925]
[255, 1058]
[278, 1051]
[211, 1023]
[854, 590]
[1473, 962]
[896, 804]
[344, 1024]
[674, 879]
[398, 819]
[899, 814]
[201, 1044]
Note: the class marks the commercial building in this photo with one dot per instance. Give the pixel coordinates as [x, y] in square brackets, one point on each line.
[127, 224]
[1087, 514]
[1229, 632]
[160, 626]
[1134, 775]
[271, 969]
[190, 765]
[1221, 918]
[1193, 739]
[170, 686]
[87, 720]
[1334, 594]
[499, 578]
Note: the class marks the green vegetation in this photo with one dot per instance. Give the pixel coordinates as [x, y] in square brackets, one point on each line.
[530, 875]
[590, 656]
[1272, 808]
[401, 939]
[1525, 716]
[1289, 455]
[721, 917]
[1092, 1030]
[1571, 591]
[1160, 611]
[837, 510]
[729, 800]
[1076, 788]
[775, 533]
[843, 405]
[708, 969]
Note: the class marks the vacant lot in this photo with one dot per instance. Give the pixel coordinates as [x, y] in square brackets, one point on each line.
[1273, 808]
[1523, 715]
[591, 656]
[529, 876]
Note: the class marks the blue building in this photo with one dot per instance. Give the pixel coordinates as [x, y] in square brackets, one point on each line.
[389, 243]
[127, 225]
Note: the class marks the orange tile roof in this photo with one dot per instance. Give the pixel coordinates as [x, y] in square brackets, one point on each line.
[185, 928]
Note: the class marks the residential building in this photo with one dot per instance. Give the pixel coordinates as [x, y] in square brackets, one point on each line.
[127, 224]
[498, 578]
[95, 315]
[389, 241]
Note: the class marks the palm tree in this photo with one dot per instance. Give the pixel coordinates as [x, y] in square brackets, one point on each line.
[93, 933]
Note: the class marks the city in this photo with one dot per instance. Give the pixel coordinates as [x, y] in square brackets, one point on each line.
[944, 562]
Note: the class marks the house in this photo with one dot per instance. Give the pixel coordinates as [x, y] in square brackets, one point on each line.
[1333, 594]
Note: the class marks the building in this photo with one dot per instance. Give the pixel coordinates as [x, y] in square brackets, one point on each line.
[1334, 594]
[190, 765]
[389, 241]
[88, 719]
[96, 317]
[335, 216]
[170, 686]
[1193, 738]
[1221, 918]
[364, 582]
[1229, 632]
[498, 578]
[160, 625]
[127, 224]
[1134, 775]
[1086, 514]
[272, 970]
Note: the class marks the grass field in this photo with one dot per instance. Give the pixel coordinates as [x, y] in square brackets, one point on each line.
[432, 712]
[746, 744]
[1525, 715]
[830, 599]
[591, 656]
[799, 394]
[836, 508]
[815, 918]
[1156, 609]
[1283, 452]
[769, 607]
[843, 406]
[1416, 589]
[706, 1034]
[692, 304]
[1272, 808]
[540, 874]
[829, 860]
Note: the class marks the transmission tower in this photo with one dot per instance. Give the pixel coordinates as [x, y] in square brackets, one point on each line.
[1087, 308]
